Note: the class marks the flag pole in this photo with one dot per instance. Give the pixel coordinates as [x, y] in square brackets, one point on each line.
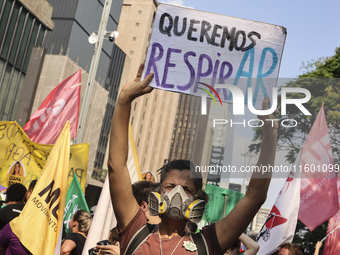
[307, 242]
[93, 70]
[329, 234]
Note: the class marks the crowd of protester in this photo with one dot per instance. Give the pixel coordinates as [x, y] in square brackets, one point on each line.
[157, 218]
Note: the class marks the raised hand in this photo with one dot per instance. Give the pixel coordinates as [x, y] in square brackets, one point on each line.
[136, 88]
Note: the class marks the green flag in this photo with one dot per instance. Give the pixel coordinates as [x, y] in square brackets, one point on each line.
[75, 200]
[220, 201]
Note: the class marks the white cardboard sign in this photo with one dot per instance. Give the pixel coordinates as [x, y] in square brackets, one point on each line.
[190, 47]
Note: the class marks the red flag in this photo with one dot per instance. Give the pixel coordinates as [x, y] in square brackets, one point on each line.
[332, 244]
[318, 194]
[60, 105]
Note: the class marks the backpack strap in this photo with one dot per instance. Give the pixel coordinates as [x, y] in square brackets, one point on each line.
[199, 240]
[139, 238]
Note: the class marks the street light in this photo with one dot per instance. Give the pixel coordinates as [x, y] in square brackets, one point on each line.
[93, 38]
[97, 39]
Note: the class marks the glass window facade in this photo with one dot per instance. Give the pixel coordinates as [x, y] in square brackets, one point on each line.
[20, 31]
[112, 85]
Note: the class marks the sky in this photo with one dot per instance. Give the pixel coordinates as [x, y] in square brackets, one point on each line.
[312, 33]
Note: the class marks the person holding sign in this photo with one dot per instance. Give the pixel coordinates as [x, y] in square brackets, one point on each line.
[172, 236]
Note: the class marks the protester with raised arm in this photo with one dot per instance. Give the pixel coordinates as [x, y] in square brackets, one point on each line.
[172, 236]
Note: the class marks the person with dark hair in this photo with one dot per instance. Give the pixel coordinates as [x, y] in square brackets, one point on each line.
[30, 190]
[234, 249]
[297, 249]
[79, 225]
[289, 249]
[181, 195]
[15, 203]
[111, 248]
[8, 240]
[141, 191]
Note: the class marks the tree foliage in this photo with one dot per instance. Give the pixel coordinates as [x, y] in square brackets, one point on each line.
[303, 236]
[322, 79]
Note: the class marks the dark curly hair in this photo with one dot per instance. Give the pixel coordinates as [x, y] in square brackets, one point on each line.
[16, 193]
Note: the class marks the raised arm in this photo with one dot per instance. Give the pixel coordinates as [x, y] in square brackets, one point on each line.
[123, 201]
[231, 227]
[317, 248]
[250, 244]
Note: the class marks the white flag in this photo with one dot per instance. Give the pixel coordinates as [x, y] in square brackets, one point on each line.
[281, 222]
[104, 219]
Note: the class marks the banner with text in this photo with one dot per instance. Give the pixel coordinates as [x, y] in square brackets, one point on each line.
[22, 160]
[192, 51]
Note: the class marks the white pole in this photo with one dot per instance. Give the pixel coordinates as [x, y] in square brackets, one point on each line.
[93, 70]
[329, 234]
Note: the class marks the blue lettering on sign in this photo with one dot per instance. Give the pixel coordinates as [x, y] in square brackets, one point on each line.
[242, 73]
[206, 67]
[260, 75]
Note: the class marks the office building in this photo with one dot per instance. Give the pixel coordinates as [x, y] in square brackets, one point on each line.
[23, 25]
[153, 115]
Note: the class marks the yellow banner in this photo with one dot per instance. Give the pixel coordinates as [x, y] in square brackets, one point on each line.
[22, 160]
[39, 223]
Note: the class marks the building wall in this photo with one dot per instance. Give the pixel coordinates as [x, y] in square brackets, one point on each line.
[22, 26]
[26, 100]
[153, 115]
[112, 85]
[124, 79]
[75, 21]
[41, 9]
[260, 218]
[189, 130]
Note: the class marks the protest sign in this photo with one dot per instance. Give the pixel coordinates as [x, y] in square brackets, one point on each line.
[189, 46]
[16, 147]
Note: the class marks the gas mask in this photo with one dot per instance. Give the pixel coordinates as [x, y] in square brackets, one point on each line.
[176, 204]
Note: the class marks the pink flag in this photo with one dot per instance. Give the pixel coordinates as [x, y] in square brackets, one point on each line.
[60, 105]
[318, 194]
[332, 244]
